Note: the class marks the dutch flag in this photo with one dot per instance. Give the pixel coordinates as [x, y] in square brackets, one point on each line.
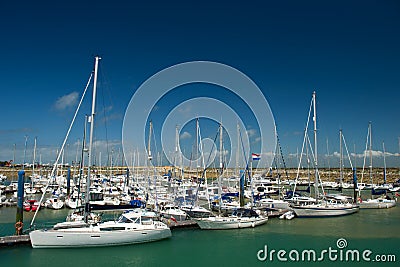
[255, 156]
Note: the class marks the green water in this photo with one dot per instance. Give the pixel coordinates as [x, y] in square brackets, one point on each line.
[375, 230]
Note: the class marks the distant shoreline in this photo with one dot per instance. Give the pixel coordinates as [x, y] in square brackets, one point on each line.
[332, 174]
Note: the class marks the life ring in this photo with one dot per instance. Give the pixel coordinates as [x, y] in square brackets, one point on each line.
[18, 226]
[359, 200]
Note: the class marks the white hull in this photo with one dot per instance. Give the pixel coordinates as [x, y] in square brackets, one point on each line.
[54, 204]
[135, 226]
[272, 203]
[219, 223]
[72, 204]
[324, 211]
[171, 215]
[377, 204]
[93, 238]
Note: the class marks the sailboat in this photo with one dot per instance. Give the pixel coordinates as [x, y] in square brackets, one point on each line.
[325, 207]
[192, 207]
[380, 202]
[240, 217]
[134, 226]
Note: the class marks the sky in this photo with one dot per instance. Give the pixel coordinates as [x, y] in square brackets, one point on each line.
[345, 51]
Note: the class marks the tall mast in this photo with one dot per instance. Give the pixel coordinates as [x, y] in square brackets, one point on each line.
[26, 141]
[220, 166]
[238, 148]
[91, 121]
[197, 145]
[370, 151]
[384, 163]
[82, 162]
[149, 141]
[13, 165]
[315, 146]
[176, 149]
[341, 157]
[34, 157]
[76, 156]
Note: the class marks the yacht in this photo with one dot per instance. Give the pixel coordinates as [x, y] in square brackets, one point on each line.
[132, 227]
[240, 218]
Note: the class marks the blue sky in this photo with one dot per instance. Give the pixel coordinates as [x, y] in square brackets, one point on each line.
[347, 51]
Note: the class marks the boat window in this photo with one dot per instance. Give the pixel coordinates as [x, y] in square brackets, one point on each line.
[116, 228]
[146, 220]
[69, 226]
[123, 219]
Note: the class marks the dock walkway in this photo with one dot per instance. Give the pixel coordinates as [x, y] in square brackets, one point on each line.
[14, 240]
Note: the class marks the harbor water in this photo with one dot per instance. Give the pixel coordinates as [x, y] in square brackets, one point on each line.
[367, 238]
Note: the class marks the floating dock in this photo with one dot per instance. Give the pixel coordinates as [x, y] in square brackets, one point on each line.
[15, 240]
[180, 224]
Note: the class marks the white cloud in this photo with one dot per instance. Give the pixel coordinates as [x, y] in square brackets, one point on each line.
[251, 132]
[185, 109]
[374, 153]
[185, 135]
[67, 101]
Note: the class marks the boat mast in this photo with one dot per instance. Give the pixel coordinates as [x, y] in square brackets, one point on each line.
[26, 141]
[197, 146]
[384, 164]
[237, 149]
[221, 167]
[149, 158]
[221, 164]
[315, 147]
[82, 161]
[34, 159]
[370, 151]
[91, 121]
[341, 157]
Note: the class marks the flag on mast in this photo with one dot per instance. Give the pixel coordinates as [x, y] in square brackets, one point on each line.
[255, 156]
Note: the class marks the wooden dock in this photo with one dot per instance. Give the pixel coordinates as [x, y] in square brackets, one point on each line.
[180, 224]
[14, 240]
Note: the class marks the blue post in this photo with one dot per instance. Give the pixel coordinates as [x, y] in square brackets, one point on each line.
[355, 184]
[241, 194]
[127, 177]
[20, 196]
[384, 176]
[68, 181]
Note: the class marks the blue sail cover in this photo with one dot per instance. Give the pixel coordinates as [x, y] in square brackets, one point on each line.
[378, 192]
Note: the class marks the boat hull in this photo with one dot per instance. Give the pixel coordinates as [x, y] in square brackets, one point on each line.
[220, 223]
[89, 237]
[320, 211]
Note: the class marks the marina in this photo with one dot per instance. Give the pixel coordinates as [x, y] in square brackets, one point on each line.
[200, 134]
[139, 205]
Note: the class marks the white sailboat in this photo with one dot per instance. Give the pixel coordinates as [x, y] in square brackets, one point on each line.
[321, 207]
[381, 202]
[192, 208]
[136, 226]
[240, 217]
